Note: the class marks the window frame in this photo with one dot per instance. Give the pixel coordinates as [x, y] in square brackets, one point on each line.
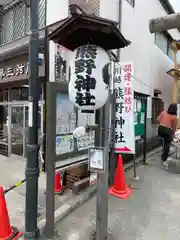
[170, 49]
[169, 40]
[157, 108]
[11, 18]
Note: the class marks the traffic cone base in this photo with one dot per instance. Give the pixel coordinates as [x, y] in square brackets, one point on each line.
[120, 189]
[18, 236]
[58, 189]
[6, 231]
[120, 194]
[14, 235]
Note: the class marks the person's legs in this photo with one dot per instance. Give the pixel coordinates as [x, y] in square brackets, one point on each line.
[166, 134]
[162, 137]
[167, 142]
[162, 152]
[166, 150]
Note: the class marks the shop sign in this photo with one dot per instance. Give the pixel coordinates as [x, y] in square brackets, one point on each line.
[19, 69]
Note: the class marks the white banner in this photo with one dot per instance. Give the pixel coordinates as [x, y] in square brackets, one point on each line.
[124, 123]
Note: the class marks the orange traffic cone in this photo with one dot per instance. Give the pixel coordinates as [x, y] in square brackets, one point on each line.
[58, 189]
[6, 231]
[120, 189]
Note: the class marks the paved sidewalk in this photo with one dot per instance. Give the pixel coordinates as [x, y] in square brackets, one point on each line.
[152, 212]
[12, 170]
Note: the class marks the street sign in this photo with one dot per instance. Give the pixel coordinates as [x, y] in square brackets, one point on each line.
[87, 88]
[124, 122]
[96, 160]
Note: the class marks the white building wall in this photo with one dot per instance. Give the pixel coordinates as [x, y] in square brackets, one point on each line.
[150, 62]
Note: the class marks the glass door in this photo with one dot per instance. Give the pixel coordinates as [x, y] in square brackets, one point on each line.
[17, 129]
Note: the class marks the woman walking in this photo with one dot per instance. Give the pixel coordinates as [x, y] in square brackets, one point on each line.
[167, 127]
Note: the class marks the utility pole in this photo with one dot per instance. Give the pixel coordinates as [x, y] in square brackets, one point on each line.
[32, 167]
[102, 178]
[164, 23]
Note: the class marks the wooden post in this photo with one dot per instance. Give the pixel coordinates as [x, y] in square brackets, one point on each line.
[175, 90]
[175, 82]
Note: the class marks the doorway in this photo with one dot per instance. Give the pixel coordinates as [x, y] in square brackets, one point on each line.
[14, 127]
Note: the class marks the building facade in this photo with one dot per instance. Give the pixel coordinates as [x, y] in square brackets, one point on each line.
[14, 74]
[150, 54]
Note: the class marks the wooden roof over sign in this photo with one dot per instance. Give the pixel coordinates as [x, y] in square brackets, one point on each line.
[82, 29]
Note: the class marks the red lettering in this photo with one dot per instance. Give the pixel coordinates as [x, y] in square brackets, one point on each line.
[127, 91]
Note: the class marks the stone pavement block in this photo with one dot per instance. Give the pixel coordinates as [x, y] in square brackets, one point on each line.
[152, 212]
[15, 206]
[172, 165]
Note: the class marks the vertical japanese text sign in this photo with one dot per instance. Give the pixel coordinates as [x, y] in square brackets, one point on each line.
[87, 89]
[124, 122]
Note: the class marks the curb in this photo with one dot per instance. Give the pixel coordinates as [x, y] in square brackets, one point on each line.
[139, 160]
[65, 209]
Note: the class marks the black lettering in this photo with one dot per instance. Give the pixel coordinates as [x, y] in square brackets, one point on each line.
[86, 83]
[79, 66]
[119, 93]
[85, 99]
[88, 51]
[90, 64]
[119, 122]
[119, 107]
[119, 138]
[117, 79]
[82, 64]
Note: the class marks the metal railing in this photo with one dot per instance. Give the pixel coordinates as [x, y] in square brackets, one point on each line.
[15, 20]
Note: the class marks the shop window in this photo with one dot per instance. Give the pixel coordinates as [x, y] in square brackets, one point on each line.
[22, 93]
[157, 107]
[4, 95]
[15, 94]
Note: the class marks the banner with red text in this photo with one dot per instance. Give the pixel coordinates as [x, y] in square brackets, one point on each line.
[124, 122]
